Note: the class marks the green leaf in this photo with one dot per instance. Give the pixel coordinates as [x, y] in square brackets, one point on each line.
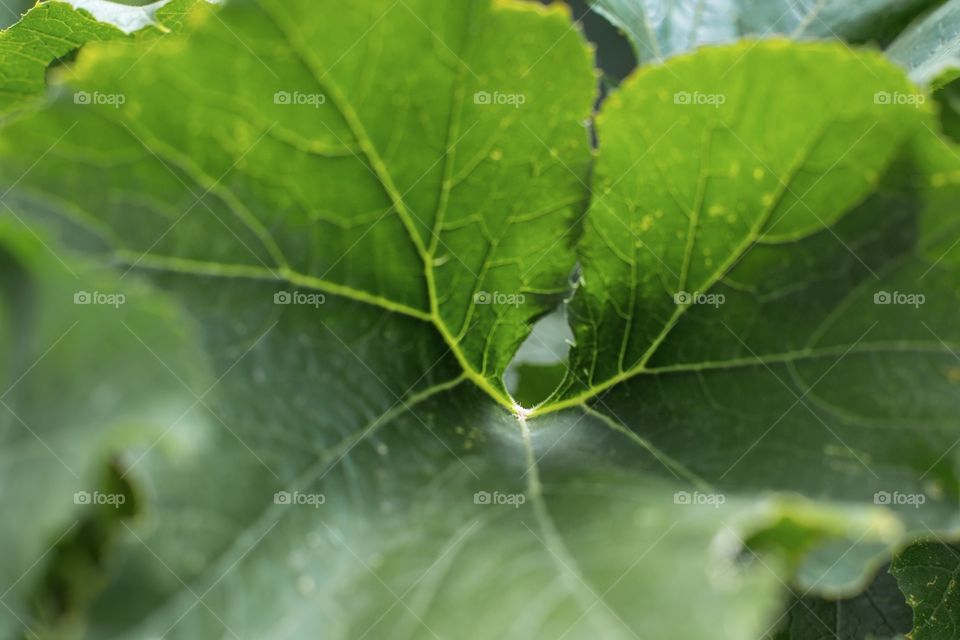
[736, 280]
[52, 30]
[879, 613]
[661, 29]
[328, 188]
[715, 170]
[927, 574]
[930, 48]
[418, 153]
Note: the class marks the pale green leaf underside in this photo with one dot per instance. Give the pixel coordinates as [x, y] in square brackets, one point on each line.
[927, 48]
[659, 29]
[400, 197]
[126, 18]
[930, 48]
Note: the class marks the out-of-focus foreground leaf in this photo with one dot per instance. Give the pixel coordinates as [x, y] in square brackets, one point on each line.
[77, 394]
